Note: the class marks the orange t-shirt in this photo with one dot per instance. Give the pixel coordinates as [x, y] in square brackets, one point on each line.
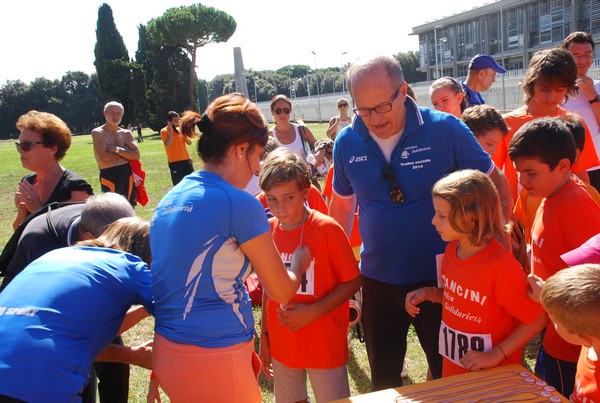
[177, 151]
[526, 206]
[322, 343]
[564, 221]
[485, 299]
[518, 118]
[587, 379]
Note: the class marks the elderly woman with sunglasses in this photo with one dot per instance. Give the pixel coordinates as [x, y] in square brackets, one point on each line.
[43, 141]
[337, 123]
[289, 135]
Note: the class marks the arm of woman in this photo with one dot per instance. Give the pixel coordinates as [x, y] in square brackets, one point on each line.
[279, 283]
[296, 316]
[309, 136]
[264, 349]
[26, 200]
[333, 122]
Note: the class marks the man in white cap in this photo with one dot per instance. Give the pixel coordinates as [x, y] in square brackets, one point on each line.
[482, 74]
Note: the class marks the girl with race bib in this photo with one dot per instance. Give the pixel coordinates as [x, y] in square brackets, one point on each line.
[487, 316]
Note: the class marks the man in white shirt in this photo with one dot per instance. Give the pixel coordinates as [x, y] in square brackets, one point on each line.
[587, 101]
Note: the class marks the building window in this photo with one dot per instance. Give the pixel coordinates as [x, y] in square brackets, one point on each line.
[589, 16]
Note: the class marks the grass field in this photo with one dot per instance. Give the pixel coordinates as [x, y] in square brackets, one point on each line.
[80, 159]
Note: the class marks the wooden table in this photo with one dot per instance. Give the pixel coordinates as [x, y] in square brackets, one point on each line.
[500, 384]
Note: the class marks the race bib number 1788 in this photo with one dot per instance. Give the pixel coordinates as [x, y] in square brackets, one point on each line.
[454, 344]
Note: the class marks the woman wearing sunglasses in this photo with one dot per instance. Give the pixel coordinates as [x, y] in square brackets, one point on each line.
[43, 142]
[289, 135]
[337, 123]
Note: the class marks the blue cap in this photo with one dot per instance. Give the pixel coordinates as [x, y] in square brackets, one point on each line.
[483, 61]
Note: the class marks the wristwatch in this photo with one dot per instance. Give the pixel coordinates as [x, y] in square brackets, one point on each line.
[593, 101]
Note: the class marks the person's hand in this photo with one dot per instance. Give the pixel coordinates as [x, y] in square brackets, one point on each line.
[413, 299]
[142, 355]
[319, 157]
[586, 86]
[477, 360]
[301, 258]
[153, 392]
[295, 316]
[264, 353]
[27, 198]
[535, 287]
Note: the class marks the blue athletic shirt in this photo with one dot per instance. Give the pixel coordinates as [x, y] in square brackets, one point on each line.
[59, 313]
[198, 267]
[399, 242]
[473, 98]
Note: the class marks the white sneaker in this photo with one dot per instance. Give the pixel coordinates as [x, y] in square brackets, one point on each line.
[404, 372]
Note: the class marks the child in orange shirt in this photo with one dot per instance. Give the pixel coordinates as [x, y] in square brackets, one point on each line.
[487, 125]
[572, 299]
[526, 207]
[307, 336]
[550, 79]
[543, 151]
[487, 317]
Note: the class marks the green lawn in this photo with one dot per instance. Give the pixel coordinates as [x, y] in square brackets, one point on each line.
[80, 159]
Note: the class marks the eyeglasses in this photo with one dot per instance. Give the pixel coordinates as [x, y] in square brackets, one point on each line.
[26, 145]
[387, 173]
[380, 109]
[344, 105]
[285, 111]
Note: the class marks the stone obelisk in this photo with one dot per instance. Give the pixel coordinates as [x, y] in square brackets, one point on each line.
[240, 76]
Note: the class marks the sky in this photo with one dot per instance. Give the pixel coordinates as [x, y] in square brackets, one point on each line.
[42, 38]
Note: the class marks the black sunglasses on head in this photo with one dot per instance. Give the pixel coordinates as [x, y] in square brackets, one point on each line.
[387, 173]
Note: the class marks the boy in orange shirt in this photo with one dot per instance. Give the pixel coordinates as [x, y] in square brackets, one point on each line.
[550, 79]
[487, 125]
[572, 299]
[526, 207]
[307, 336]
[543, 151]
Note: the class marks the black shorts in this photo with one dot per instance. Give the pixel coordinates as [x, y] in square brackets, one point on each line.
[179, 169]
[119, 179]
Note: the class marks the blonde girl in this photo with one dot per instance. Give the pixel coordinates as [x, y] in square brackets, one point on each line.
[487, 316]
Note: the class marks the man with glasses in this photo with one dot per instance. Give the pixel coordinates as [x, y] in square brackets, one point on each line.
[482, 74]
[387, 162]
[587, 101]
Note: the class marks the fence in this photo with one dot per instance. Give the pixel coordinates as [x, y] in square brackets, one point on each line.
[506, 94]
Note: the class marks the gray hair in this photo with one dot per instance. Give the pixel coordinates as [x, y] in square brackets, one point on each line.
[364, 67]
[114, 103]
[102, 210]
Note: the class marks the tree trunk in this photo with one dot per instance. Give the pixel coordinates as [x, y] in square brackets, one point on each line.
[192, 83]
